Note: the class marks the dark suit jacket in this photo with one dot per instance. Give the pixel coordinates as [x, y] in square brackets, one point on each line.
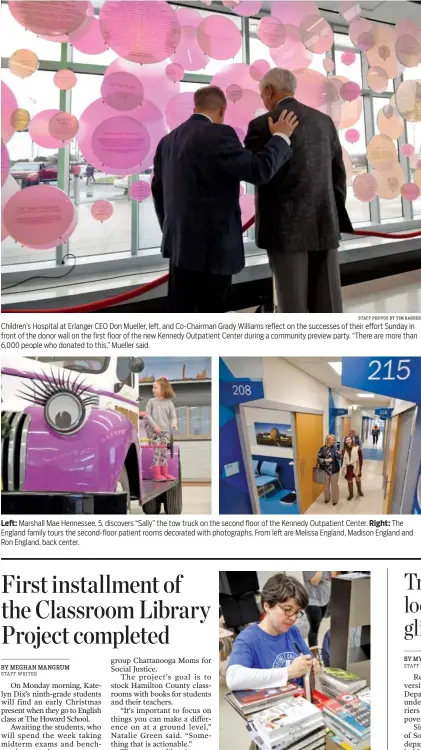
[303, 206]
[196, 184]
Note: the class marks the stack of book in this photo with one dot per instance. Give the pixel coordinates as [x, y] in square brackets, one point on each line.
[365, 695]
[247, 702]
[335, 681]
[291, 724]
[348, 718]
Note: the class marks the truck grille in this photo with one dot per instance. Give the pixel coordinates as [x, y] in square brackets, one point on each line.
[15, 427]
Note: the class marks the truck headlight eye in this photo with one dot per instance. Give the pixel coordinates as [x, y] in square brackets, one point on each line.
[64, 412]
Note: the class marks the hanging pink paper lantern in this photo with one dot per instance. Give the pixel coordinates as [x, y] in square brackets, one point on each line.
[383, 53]
[377, 79]
[219, 37]
[65, 79]
[408, 50]
[352, 136]
[292, 55]
[140, 190]
[179, 109]
[348, 166]
[123, 144]
[102, 210]
[39, 129]
[157, 88]
[63, 126]
[328, 64]
[407, 150]
[234, 93]
[64, 237]
[122, 91]
[361, 31]
[235, 73]
[258, 69]
[9, 188]
[39, 216]
[120, 143]
[365, 187]
[410, 191]
[88, 39]
[5, 164]
[348, 58]
[247, 8]
[143, 32]
[316, 34]
[382, 154]
[408, 100]
[174, 72]
[49, 17]
[239, 114]
[8, 106]
[188, 53]
[350, 91]
[317, 91]
[271, 32]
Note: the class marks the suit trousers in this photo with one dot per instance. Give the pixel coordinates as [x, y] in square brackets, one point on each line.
[197, 291]
[307, 282]
[331, 488]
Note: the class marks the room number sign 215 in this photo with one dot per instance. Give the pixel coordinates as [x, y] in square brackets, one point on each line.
[393, 369]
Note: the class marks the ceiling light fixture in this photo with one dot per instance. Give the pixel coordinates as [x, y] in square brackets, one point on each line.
[336, 366]
[365, 395]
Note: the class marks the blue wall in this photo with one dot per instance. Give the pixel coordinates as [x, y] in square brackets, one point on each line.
[234, 496]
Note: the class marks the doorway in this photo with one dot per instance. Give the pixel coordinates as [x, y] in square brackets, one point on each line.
[402, 447]
[308, 439]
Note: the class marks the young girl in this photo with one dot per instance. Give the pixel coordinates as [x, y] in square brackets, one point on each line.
[352, 464]
[162, 419]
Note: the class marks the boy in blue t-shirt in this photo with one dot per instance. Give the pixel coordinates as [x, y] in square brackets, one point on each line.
[271, 653]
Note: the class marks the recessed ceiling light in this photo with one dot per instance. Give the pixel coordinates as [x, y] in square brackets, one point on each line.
[365, 395]
[337, 366]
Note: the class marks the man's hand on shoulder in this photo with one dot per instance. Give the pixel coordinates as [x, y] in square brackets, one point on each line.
[285, 125]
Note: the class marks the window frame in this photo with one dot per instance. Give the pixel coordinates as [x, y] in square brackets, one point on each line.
[149, 260]
[188, 435]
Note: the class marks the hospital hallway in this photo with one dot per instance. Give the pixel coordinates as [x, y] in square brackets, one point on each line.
[371, 484]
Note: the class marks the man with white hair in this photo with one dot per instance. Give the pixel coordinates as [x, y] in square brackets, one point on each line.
[301, 212]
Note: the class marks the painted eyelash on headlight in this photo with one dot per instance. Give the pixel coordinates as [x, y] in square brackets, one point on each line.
[43, 390]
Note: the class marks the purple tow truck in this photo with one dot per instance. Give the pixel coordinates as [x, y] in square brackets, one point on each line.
[72, 439]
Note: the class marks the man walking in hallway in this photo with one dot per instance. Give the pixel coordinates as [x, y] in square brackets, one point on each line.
[375, 432]
[301, 213]
[196, 190]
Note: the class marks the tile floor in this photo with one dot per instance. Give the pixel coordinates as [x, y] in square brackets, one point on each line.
[372, 486]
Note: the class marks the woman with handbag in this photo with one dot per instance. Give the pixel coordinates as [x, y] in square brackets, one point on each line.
[328, 461]
[352, 464]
